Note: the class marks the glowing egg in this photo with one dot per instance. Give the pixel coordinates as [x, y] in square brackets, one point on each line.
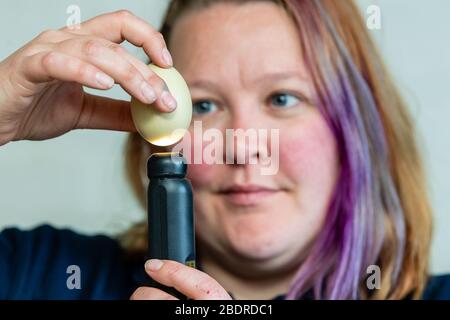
[164, 128]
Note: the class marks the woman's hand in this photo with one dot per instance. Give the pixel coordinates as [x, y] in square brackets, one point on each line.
[41, 94]
[191, 282]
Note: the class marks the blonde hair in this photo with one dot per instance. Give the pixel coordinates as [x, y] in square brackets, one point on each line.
[384, 176]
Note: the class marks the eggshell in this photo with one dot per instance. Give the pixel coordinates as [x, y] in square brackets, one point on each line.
[162, 128]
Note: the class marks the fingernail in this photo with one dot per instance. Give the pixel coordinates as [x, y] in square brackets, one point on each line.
[167, 57]
[168, 100]
[153, 265]
[104, 80]
[148, 92]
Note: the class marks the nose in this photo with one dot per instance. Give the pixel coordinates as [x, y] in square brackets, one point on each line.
[243, 142]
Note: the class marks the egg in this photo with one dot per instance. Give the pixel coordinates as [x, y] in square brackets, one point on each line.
[164, 128]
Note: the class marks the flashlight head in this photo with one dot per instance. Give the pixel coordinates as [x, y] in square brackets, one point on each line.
[166, 165]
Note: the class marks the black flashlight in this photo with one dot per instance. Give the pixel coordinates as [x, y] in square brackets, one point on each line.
[171, 233]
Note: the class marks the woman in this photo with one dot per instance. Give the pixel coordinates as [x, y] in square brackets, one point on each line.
[349, 193]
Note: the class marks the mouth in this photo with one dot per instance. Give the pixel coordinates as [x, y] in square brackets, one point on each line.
[247, 195]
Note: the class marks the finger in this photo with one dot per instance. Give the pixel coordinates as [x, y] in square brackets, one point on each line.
[149, 75]
[124, 25]
[105, 113]
[148, 293]
[191, 282]
[95, 52]
[51, 65]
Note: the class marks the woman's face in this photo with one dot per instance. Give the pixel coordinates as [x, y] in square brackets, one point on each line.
[244, 67]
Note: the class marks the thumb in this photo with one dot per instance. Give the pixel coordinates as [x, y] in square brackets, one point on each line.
[105, 113]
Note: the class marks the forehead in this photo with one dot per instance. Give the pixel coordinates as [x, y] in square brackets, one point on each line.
[226, 38]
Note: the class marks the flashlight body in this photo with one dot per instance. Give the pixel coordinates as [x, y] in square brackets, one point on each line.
[170, 211]
[171, 231]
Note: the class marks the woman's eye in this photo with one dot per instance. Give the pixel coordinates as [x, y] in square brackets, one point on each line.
[203, 107]
[284, 100]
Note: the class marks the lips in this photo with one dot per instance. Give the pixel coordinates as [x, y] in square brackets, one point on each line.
[247, 195]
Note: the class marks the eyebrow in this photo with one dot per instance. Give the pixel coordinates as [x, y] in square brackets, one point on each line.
[276, 76]
[267, 77]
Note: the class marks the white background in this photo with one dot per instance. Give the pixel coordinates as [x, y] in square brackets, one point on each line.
[78, 180]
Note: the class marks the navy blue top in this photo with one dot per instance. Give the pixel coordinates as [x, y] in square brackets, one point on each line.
[34, 265]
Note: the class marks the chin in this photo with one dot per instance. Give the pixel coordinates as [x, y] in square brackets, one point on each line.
[258, 247]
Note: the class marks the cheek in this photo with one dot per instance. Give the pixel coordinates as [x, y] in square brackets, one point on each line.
[201, 175]
[309, 151]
